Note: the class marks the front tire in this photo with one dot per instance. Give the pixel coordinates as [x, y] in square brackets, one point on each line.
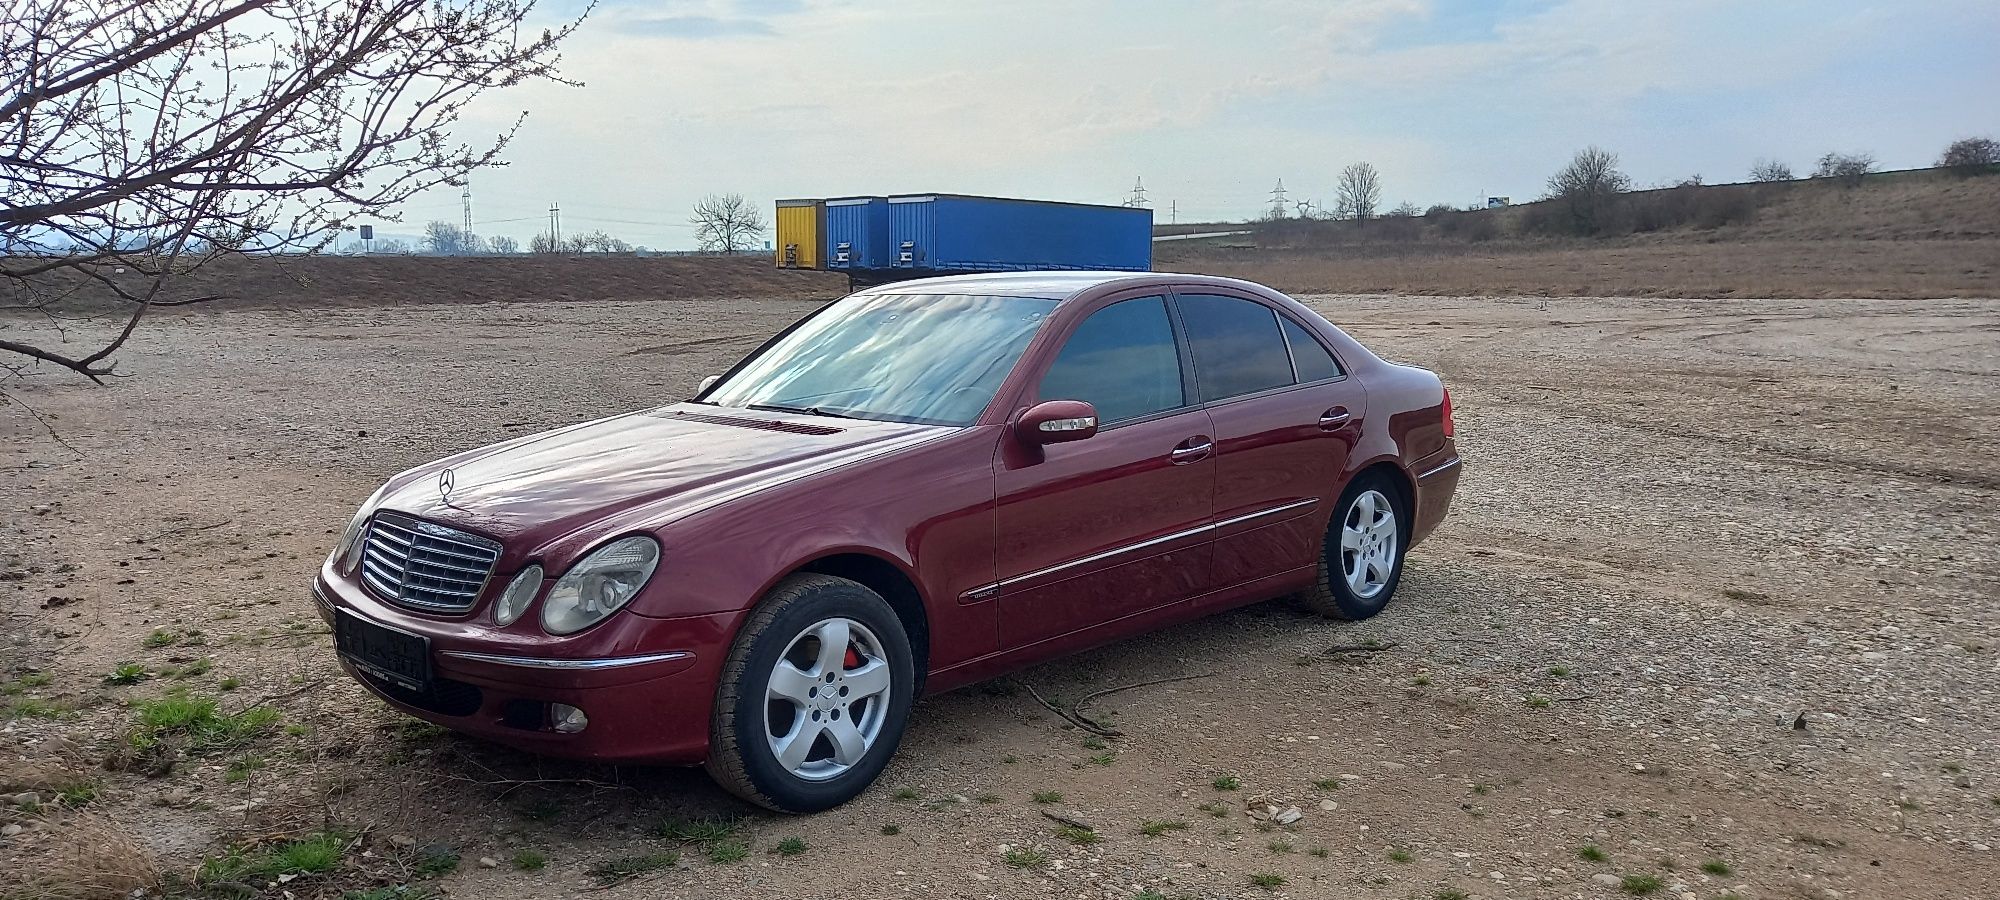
[1361, 556]
[814, 696]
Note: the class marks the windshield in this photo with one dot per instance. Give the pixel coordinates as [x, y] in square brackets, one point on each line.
[933, 359]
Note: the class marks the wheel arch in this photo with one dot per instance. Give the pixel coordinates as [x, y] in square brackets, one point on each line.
[1406, 487]
[894, 585]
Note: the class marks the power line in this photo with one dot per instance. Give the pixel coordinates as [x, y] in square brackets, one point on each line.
[1278, 200]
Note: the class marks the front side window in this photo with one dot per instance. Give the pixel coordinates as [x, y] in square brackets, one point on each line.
[932, 359]
[1121, 360]
[1238, 348]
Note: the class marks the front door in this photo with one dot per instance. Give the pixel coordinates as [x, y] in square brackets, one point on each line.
[1104, 528]
[1285, 416]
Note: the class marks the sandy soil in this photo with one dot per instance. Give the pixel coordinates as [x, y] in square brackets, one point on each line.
[1718, 599]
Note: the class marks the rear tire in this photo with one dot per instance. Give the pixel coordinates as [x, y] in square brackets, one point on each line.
[814, 696]
[1361, 554]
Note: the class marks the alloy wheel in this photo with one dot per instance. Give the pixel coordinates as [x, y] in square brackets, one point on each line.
[827, 699]
[1368, 539]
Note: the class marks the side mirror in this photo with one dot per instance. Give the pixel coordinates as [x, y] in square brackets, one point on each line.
[1057, 422]
[707, 383]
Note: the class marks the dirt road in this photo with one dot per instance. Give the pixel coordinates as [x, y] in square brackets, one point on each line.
[1717, 612]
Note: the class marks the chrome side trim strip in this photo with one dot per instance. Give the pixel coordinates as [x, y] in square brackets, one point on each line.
[536, 662]
[1448, 464]
[985, 591]
[1309, 501]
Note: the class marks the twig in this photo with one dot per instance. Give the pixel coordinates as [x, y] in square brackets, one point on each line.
[1074, 714]
[1338, 649]
[185, 529]
[513, 784]
[51, 429]
[281, 696]
[1069, 820]
[1080, 704]
[1072, 717]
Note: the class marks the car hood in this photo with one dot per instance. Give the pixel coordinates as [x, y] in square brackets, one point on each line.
[636, 471]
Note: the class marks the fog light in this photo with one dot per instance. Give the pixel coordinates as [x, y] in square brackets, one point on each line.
[567, 719]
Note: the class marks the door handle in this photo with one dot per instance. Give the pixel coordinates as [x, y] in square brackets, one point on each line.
[1334, 418]
[1191, 450]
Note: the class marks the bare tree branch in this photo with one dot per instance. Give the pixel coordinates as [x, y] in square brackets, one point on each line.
[141, 140]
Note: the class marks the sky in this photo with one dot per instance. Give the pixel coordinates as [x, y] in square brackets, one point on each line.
[1210, 103]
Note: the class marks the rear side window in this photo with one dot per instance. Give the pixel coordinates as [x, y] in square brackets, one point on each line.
[1310, 361]
[1121, 360]
[1238, 348]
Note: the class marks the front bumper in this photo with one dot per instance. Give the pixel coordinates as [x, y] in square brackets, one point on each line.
[646, 684]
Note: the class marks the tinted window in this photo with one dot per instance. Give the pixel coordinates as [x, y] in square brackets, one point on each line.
[1122, 360]
[1237, 346]
[932, 359]
[1310, 361]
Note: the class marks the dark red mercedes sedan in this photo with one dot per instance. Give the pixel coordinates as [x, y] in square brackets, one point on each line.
[917, 487]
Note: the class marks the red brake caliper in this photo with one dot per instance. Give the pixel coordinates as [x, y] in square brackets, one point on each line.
[852, 660]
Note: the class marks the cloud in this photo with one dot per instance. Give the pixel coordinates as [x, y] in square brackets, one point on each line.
[770, 7]
[695, 28]
[1213, 100]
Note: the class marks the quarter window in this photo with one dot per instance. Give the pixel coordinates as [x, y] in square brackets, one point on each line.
[1238, 348]
[1310, 361]
[1122, 360]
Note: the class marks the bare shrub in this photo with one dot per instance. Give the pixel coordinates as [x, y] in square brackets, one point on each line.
[446, 239]
[1770, 170]
[1971, 156]
[1691, 204]
[1587, 191]
[503, 244]
[578, 244]
[80, 856]
[1404, 210]
[1847, 168]
[726, 223]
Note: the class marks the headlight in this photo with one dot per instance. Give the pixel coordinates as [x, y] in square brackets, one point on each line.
[600, 584]
[348, 551]
[520, 592]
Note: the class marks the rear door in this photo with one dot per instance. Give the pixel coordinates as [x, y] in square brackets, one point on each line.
[1285, 415]
[1104, 528]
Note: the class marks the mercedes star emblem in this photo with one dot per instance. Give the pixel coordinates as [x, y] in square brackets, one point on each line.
[445, 483]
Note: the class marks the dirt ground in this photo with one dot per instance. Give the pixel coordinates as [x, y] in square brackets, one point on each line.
[1715, 614]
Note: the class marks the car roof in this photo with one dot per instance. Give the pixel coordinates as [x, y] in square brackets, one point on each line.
[1049, 285]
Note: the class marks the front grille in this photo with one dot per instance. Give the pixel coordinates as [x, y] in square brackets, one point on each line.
[424, 565]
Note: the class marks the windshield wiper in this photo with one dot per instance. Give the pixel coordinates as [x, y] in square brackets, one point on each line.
[802, 410]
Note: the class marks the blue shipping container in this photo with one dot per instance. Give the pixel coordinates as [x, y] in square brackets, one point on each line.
[957, 233]
[857, 233]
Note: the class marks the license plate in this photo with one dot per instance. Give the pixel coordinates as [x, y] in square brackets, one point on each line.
[398, 657]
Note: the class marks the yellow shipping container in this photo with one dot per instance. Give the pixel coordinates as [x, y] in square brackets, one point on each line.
[801, 226]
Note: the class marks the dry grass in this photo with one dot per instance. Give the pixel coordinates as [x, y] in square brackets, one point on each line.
[349, 281]
[1639, 267]
[79, 856]
[1899, 236]
[39, 774]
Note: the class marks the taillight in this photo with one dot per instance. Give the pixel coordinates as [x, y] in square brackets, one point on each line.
[1448, 427]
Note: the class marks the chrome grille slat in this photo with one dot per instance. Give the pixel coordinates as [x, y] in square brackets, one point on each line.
[404, 559]
[425, 566]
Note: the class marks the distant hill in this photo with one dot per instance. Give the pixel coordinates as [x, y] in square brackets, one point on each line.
[1922, 233]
